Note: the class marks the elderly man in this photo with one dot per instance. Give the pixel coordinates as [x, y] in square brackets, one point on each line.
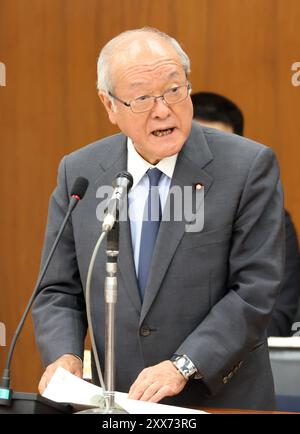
[192, 306]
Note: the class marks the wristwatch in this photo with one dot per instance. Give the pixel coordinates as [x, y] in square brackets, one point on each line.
[185, 366]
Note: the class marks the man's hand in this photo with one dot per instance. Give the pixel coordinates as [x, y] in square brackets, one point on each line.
[156, 382]
[69, 362]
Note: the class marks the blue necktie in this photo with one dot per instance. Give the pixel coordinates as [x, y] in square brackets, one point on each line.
[150, 227]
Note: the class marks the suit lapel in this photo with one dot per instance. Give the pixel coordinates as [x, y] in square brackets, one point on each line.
[188, 172]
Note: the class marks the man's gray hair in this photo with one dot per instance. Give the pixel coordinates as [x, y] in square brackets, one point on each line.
[104, 82]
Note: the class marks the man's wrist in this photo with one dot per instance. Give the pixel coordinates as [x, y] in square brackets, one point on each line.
[75, 355]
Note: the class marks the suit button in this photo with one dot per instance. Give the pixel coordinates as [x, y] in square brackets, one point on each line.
[145, 331]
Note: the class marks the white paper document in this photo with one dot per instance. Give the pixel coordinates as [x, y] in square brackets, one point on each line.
[65, 387]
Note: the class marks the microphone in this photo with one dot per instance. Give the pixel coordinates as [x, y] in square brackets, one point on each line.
[122, 184]
[77, 193]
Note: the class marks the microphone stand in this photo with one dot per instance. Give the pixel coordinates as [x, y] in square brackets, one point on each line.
[110, 296]
[110, 227]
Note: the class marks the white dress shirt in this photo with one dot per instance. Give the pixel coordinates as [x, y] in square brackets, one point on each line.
[138, 194]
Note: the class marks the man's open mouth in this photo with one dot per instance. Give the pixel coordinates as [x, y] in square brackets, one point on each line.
[160, 133]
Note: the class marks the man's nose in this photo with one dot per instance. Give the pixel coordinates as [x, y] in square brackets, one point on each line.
[160, 108]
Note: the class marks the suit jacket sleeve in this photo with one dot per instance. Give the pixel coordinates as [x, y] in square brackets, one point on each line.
[59, 309]
[237, 323]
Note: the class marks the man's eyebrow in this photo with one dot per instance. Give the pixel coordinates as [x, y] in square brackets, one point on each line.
[173, 74]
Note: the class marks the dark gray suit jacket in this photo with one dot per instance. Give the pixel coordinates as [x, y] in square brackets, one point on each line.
[210, 294]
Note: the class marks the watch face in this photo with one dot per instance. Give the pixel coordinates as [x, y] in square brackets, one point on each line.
[185, 366]
[181, 362]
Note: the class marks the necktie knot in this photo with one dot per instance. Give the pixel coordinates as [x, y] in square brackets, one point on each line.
[154, 176]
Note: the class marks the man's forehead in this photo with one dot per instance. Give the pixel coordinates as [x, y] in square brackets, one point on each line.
[145, 53]
[168, 76]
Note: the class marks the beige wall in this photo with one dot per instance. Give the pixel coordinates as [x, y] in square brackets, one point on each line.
[241, 48]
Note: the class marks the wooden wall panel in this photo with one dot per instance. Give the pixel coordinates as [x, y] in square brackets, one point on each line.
[240, 48]
[287, 103]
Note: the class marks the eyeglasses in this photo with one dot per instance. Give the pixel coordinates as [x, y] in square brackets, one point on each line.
[146, 102]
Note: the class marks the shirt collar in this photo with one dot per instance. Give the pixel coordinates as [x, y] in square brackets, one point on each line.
[137, 166]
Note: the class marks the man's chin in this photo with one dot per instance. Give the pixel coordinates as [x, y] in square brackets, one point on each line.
[160, 149]
[168, 149]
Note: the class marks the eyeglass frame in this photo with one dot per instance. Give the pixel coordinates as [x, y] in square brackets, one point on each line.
[154, 98]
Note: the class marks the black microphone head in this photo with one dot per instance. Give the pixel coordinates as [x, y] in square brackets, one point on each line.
[79, 187]
[123, 179]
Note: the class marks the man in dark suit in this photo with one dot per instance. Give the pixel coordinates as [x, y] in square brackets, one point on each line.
[191, 326]
[216, 111]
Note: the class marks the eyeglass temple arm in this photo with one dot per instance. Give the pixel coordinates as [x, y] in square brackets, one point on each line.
[118, 99]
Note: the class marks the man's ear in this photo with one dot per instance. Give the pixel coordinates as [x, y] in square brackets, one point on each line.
[106, 101]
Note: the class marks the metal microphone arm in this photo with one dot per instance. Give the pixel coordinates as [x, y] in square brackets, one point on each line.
[110, 227]
[110, 295]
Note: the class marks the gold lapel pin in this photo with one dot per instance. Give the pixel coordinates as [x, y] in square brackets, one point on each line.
[199, 185]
